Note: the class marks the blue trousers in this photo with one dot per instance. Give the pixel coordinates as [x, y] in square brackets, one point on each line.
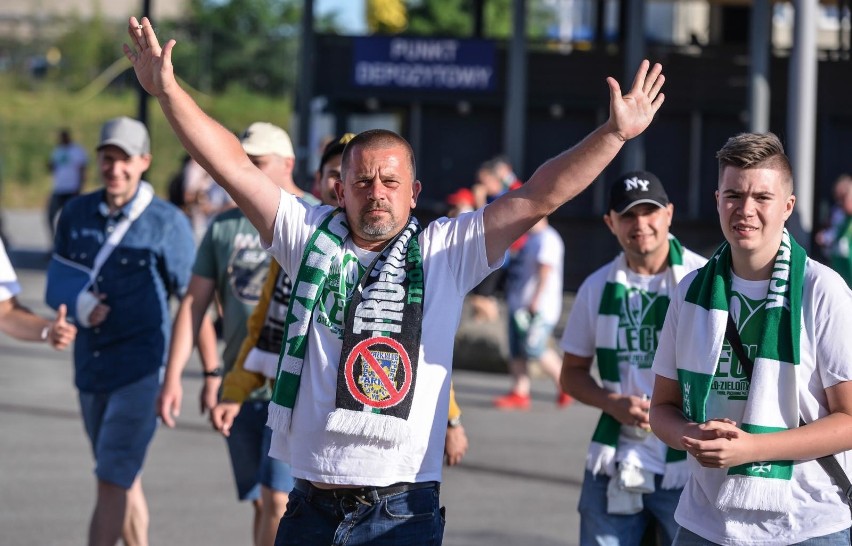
[601, 529]
[411, 518]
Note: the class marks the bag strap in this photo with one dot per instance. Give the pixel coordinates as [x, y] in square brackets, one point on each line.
[143, 198]
[829, 462]
[733, 337]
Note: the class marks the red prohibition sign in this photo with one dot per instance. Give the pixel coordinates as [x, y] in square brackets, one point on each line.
[362, 350]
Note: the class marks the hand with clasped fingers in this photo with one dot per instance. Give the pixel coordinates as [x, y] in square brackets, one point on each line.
[718, 443]
[632, 113]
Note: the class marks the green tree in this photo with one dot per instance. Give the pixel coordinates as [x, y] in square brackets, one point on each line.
[87, 48]
[455, 18]
[249, 43]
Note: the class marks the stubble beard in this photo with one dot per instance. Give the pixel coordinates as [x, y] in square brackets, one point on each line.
[379, 230]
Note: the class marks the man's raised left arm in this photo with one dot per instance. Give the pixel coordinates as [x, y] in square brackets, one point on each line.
[561, 178]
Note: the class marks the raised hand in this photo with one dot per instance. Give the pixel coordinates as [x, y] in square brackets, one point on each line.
[631, 114]
[152, 63]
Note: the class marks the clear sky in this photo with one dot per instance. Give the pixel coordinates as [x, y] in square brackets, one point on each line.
[351, 16]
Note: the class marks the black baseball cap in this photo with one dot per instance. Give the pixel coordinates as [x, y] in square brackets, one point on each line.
[635, 187]
[334, 147]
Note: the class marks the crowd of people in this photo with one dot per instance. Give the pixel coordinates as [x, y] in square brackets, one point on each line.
[721, 384]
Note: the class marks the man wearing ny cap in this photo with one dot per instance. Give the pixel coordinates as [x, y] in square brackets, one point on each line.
[231, 266]
[631, 478]
[137, 251]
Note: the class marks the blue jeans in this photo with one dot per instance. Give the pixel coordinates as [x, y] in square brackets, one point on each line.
[412, 518]
[685, 537]
[602, 529]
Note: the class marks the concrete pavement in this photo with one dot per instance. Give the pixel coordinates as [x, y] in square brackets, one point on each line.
[518, 484]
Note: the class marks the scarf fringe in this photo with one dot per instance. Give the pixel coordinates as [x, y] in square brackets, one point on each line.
[600, 459]
[363, 423]
[675, 476]
[279, 417]
[747, 493]
[262, 362]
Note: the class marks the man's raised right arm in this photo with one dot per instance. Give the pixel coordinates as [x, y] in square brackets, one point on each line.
[213, 146]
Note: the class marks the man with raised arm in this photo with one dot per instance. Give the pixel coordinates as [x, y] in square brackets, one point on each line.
[360, 403]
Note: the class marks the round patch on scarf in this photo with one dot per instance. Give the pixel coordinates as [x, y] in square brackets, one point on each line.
[378, 372]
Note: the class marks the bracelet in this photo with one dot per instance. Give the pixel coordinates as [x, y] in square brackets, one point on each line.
[45, 332]
[453, 423]
[215, 372]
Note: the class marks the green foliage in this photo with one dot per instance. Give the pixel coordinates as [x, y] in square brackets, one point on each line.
[251, 42]
[29, 120]
[455, 18]
[87, 48]
[440, 17]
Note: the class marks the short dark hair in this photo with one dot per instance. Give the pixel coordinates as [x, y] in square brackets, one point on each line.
[333, 148]
[756, 150]
[378, 138]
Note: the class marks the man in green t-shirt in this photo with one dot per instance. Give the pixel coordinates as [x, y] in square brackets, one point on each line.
[231, 265]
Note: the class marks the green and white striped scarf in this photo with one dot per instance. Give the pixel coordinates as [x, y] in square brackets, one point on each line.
[773, 393]
[378, 364]
[602, 451]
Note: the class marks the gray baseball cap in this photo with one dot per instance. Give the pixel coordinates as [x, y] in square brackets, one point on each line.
[128, 134]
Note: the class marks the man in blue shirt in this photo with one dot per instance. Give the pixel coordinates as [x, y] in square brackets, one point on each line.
[134, 251]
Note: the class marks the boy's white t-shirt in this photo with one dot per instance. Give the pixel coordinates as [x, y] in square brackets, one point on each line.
[826, 359]
[454, 261]
[542, 248]
[634, 368]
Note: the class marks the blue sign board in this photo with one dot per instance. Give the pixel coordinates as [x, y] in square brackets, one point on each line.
[423, 63]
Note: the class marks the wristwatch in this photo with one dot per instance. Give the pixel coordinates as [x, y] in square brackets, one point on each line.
[453, 423]
[215, 372]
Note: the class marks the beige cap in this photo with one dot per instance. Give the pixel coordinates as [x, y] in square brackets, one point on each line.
[266, 139]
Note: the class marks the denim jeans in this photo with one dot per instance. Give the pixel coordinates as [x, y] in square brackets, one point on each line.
[412, 518]
[685, 537]
[602, 529]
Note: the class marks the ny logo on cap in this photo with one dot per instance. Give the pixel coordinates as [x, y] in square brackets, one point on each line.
[635, 184]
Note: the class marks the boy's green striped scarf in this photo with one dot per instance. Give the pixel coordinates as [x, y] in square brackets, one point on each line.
[378, 366]
[602, 451]
[773, 393]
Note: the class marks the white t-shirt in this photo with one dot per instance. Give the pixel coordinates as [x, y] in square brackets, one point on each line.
[635, 355]
[826, 359]
[67, 161]
[542, 248]
[9, 286]
[454, 261]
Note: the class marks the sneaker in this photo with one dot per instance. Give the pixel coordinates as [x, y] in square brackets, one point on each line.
[512, 401]
[563, 400]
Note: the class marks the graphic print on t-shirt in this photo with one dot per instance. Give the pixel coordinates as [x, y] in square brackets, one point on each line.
[337, 293]
[730, 379]
[247, 268]
[640, 320]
